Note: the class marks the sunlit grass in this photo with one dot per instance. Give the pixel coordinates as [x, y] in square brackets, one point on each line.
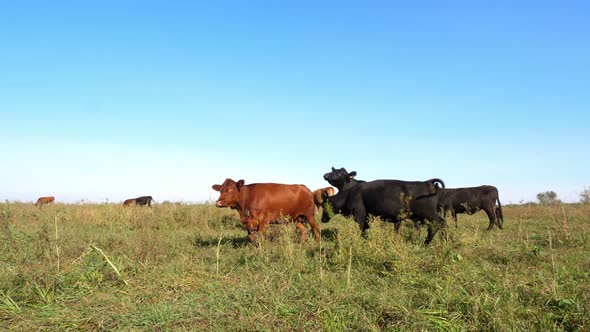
[177, 267]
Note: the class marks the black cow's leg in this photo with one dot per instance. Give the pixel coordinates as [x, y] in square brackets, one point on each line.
[360, 216]
[454, 215]
[418, 224]
[491, 215]
[397, 225]
[431, 233]
[499, 220]
[433, 226]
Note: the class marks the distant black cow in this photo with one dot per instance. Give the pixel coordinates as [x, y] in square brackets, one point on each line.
[144, 200]
[470, 200]
[392, 200]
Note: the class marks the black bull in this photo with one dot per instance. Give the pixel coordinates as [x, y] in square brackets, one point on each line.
[470, 200]
[144, 200]
[391, 200]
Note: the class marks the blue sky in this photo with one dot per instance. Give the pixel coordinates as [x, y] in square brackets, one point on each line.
[115, 99]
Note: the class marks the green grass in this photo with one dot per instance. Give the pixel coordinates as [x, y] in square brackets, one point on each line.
[190, 267]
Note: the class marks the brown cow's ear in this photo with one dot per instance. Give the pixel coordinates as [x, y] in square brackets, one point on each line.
[216, 187]
[239, 184]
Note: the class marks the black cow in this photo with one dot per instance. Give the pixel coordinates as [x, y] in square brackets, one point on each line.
[470, 200]
[144, 200]
[392, 200]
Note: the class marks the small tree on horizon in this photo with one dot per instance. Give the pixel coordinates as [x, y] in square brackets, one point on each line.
[548, 198]
[585, 195]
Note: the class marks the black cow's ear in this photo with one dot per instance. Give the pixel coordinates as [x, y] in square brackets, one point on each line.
[239, 184]
[352, 174]
[333, 169]
[216, 187]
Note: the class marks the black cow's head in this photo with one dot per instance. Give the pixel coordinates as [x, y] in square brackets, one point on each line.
[339, 177]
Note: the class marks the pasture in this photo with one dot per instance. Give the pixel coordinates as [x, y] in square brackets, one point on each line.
[175, 267]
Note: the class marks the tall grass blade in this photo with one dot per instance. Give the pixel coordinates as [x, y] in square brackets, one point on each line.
[110, 263]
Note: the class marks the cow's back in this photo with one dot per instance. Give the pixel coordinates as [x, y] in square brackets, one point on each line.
[45, 200]
[387, 197]
[472, 195]
[288, 199]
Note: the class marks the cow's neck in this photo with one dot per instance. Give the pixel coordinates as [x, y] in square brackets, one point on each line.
[349, 184]
[242, 205]
[338, 201]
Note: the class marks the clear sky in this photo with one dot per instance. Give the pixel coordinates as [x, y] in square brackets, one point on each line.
[115, 99]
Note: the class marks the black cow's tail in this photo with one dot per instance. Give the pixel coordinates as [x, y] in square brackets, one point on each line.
[435, 182]
[500, 214]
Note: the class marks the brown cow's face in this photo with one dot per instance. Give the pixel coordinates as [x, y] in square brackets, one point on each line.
[229, 193]
[327, 192]
[338, 177]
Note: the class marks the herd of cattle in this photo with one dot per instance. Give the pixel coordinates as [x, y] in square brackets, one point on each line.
[424, 202]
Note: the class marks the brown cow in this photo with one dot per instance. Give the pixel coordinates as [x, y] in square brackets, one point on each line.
[262, 203]
[45, 200]
[129, 202]
[319, 194]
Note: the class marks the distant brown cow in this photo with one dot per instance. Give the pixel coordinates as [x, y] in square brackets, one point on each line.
[319, 194]
[45, 200]
[129, 202]
[262, 203]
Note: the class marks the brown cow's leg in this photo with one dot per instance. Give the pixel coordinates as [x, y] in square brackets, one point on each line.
[262, 226]
[314, 225]
[252, 236]
[252, 228]
[302, 229]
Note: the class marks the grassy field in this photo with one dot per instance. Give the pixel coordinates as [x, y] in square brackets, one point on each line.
[189, 267]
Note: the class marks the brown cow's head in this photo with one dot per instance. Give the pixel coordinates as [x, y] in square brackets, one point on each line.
[339, 177]
[327, 192]
[230, 193]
